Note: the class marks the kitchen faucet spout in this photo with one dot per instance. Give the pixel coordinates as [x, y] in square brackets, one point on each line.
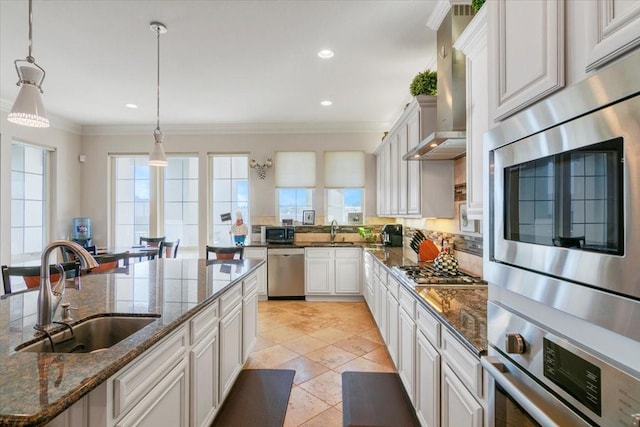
[49, 297]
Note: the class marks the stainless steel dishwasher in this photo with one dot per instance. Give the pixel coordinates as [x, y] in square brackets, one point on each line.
[285, 274]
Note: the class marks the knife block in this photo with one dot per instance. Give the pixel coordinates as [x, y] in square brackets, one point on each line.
[427, 251]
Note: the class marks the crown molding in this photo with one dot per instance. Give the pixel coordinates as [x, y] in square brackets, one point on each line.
[438, 14]
[238, 128]
[55, 121]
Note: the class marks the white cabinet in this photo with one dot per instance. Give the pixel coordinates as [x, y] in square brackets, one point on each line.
[253, 252]
[526, 42]
[407, 343]
[614, 29]
[230, 329]
[459, 407]
[164, 404]
[333, 271]
[249, 315]
[203, 358]
[402, 182]
[368, 280]
[473, 43]
[392, 322]
[427, 397]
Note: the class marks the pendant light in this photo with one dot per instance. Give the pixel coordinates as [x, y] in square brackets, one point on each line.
[28, 109]
[157, 156]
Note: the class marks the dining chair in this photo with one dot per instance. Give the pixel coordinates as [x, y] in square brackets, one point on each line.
[152, 241]
[225, 252]
[68, 255]
[169, 249]
[111, 263]
[31, 275]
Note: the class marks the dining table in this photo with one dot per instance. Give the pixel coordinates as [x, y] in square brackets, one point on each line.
[135, 251]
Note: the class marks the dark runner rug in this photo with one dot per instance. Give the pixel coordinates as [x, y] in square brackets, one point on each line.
[259, 397]
[376, 399]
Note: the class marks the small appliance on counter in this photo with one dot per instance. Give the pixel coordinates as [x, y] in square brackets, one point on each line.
[392, 235]
[277, 234]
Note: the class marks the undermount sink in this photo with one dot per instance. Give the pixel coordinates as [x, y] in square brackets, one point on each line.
[92, 335]
[331, 244]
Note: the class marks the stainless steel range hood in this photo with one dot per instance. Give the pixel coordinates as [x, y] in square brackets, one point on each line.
[449, 140]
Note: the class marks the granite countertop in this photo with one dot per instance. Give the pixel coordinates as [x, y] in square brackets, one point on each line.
[462, 309]
[36, 387]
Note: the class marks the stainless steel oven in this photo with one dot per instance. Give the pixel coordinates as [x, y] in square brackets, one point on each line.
[562, 256]
[537, 378]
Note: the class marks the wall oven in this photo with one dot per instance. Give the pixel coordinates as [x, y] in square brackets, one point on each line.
[563, 256]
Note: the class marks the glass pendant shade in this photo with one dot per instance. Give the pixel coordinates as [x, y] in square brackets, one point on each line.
[28, 109]
[157, 156]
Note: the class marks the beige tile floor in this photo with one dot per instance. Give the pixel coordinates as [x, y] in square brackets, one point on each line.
[320, 340]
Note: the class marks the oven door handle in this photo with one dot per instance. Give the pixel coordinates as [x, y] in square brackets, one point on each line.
[539, 409]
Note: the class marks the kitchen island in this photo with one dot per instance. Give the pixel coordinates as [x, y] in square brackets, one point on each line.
[36, 387]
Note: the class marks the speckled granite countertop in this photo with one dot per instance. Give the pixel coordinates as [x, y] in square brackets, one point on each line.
[36, 387]
[461, 309]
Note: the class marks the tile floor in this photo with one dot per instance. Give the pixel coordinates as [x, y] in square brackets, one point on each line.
[320, 340]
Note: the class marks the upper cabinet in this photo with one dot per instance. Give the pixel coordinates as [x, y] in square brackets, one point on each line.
[526, 44]
[473, 43]
[416, 189]
[615, 29]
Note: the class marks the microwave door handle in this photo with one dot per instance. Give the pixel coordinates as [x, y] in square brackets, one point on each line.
[539, 410]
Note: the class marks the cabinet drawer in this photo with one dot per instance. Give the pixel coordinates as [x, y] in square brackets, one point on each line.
[319, 253]
[407, 302]
[230, 299]
[393, 286]
[250, 284]
[204, 322]
[464, 364]
[348, 253]
[132, 385]
[429, 326]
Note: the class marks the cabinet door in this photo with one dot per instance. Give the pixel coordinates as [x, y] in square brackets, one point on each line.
[319, 275]
[459, 407]
[427, 398]
[386, 179]
[402, 187]
[614, 27]
[230, 349]
[204, 379]
[413, 167]
[394, 166]
[347, 275]
[379, 188]
[407, 353]
[259, 253]
[249, 324]
[393, 329]
[166, 404]
[527, 44]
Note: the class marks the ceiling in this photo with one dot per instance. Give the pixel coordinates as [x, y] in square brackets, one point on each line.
[230, 63]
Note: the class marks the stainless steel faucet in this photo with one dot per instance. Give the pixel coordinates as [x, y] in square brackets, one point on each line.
[49, 297]
[334, 229]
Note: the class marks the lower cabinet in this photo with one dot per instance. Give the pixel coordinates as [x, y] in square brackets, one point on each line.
[230, 349]
[407, 353]
[204, 379]
[459, 407]
[249, 323]
[427, 398]
[261, 274]
[393, 328]
[333, 271]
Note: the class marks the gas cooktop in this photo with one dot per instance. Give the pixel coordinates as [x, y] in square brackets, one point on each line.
[428, 275]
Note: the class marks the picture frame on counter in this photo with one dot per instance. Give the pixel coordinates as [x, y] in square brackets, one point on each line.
[308, 217]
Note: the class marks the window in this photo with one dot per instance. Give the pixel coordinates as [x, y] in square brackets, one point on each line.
[343, 201]
[295, 183]
[181, 201]
[229, 194]
[292, 201]
[131, 197]
[345, 179]
[28, 202]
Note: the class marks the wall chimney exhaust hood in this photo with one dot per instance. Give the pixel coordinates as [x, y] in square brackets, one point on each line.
[449, 140]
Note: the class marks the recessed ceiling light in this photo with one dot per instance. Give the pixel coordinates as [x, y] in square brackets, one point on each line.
[133, 106]
[434, 144]
[326, 103]
[325, 54]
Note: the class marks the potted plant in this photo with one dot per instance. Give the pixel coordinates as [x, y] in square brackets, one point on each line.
[424, 83]
[477, 4]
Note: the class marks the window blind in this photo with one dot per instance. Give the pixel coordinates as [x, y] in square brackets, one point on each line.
[295, 169]
[344, 169]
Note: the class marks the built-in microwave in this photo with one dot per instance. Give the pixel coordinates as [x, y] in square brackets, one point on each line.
[565, 201]
[279, 234]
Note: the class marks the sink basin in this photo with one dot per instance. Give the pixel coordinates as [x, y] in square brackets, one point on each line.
[92, 335]
[331, 244]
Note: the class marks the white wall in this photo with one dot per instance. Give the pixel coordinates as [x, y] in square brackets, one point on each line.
[95, 175]
[65, 195]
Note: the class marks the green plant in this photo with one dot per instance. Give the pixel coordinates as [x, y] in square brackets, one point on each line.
[425, 83]
[477, 4]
